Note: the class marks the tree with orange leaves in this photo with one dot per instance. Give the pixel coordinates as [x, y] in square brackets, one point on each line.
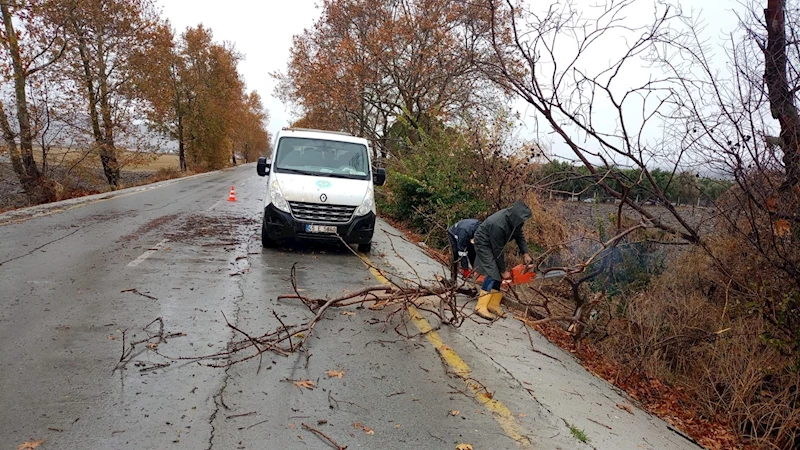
[367, 66]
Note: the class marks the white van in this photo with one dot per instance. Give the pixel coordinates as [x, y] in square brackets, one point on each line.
[319, 186]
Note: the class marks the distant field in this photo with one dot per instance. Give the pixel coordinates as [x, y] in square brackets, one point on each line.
[142, 162]
[160, 162]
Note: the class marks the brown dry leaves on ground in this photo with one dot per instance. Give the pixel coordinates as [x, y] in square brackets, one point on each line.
[30, 445]
[361, 426]
[668, 402]
[308, 384]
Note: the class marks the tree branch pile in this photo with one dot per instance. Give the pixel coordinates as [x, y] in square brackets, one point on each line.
[286, 339]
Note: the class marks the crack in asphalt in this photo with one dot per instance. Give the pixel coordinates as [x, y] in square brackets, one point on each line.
[161, 207]
[219, 400]
[41, 246]
[508, 372]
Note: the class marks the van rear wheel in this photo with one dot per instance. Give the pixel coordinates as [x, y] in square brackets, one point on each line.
[365, 248]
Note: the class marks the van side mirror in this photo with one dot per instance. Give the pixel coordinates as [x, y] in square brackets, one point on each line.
[379, 177]
[262, 167]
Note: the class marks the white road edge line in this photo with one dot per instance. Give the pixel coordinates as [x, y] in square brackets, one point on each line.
[214, 205]
[147, 254]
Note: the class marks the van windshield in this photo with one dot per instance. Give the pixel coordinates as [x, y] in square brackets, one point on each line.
[322, 157]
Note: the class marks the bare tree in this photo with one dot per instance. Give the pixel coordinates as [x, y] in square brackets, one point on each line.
[662, 97]
[31, 49]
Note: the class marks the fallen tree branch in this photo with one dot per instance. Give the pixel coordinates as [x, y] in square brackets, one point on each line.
[324, 436]
[136, 291]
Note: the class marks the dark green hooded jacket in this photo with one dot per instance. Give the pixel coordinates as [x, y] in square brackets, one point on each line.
[493, 235]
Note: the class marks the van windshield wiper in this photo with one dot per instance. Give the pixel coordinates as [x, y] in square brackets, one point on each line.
[297, 171]
[323, 174]
[347, 176]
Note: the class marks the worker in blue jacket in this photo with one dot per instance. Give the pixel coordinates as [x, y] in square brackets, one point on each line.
[462, 246]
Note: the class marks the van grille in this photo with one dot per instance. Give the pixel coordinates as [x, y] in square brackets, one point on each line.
[315, 212]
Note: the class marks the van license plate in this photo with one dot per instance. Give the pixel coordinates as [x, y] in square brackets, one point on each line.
[320, 229]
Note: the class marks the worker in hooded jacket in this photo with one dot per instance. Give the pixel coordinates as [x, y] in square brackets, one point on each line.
[491, 238]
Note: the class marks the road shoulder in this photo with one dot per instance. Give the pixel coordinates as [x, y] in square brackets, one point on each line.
[531, 372]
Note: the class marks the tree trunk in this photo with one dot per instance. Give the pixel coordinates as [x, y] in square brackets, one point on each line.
[108, 152]
[181, 145]
[11, 143]
[94, 119]
[107, 156]
[31, 178]
[781, 99]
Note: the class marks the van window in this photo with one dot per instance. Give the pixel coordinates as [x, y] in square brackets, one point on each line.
[322, 157]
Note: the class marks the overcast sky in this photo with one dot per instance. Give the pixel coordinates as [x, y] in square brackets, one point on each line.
[262, 31]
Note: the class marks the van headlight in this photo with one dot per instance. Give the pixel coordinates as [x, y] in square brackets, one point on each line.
[367, 205]
[276, 196]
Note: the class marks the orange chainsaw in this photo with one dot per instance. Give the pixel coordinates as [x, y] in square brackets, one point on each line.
[520, 274]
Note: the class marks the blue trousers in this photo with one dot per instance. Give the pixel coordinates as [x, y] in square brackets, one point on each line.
[489, 284]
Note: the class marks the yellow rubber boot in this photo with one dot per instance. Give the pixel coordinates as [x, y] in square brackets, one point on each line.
[480, 307]
[494, 303]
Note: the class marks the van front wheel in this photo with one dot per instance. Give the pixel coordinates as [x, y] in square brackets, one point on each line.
[365, 248]
[266, 242]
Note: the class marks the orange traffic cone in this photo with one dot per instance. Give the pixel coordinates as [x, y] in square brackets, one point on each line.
[232, 197]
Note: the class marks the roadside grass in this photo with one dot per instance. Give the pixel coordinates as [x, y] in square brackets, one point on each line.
[78, 173]
[577, 433]
[138, 161]
[162, 161]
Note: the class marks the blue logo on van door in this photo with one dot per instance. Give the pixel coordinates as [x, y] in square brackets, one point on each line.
[323, 184]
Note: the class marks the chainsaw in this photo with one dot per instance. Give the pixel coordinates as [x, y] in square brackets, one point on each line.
[520, 274]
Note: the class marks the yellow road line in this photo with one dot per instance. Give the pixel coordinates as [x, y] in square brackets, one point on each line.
[499, 411]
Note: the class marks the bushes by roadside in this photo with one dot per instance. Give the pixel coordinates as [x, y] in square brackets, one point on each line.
[442, 174]
[670, 313]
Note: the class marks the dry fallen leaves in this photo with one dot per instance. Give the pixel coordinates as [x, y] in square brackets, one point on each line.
[335, 373]
[486, 395]
[380, 304]
[366, 429]
[782, 227]
[464, 447]
[308, 384]
[772, 204]
[625, 408]
[455, 412]
[348, 313]
[152, 346]
[30, 445]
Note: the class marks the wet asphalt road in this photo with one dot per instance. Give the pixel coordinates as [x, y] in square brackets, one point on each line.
[76, 277]
[73, 281]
